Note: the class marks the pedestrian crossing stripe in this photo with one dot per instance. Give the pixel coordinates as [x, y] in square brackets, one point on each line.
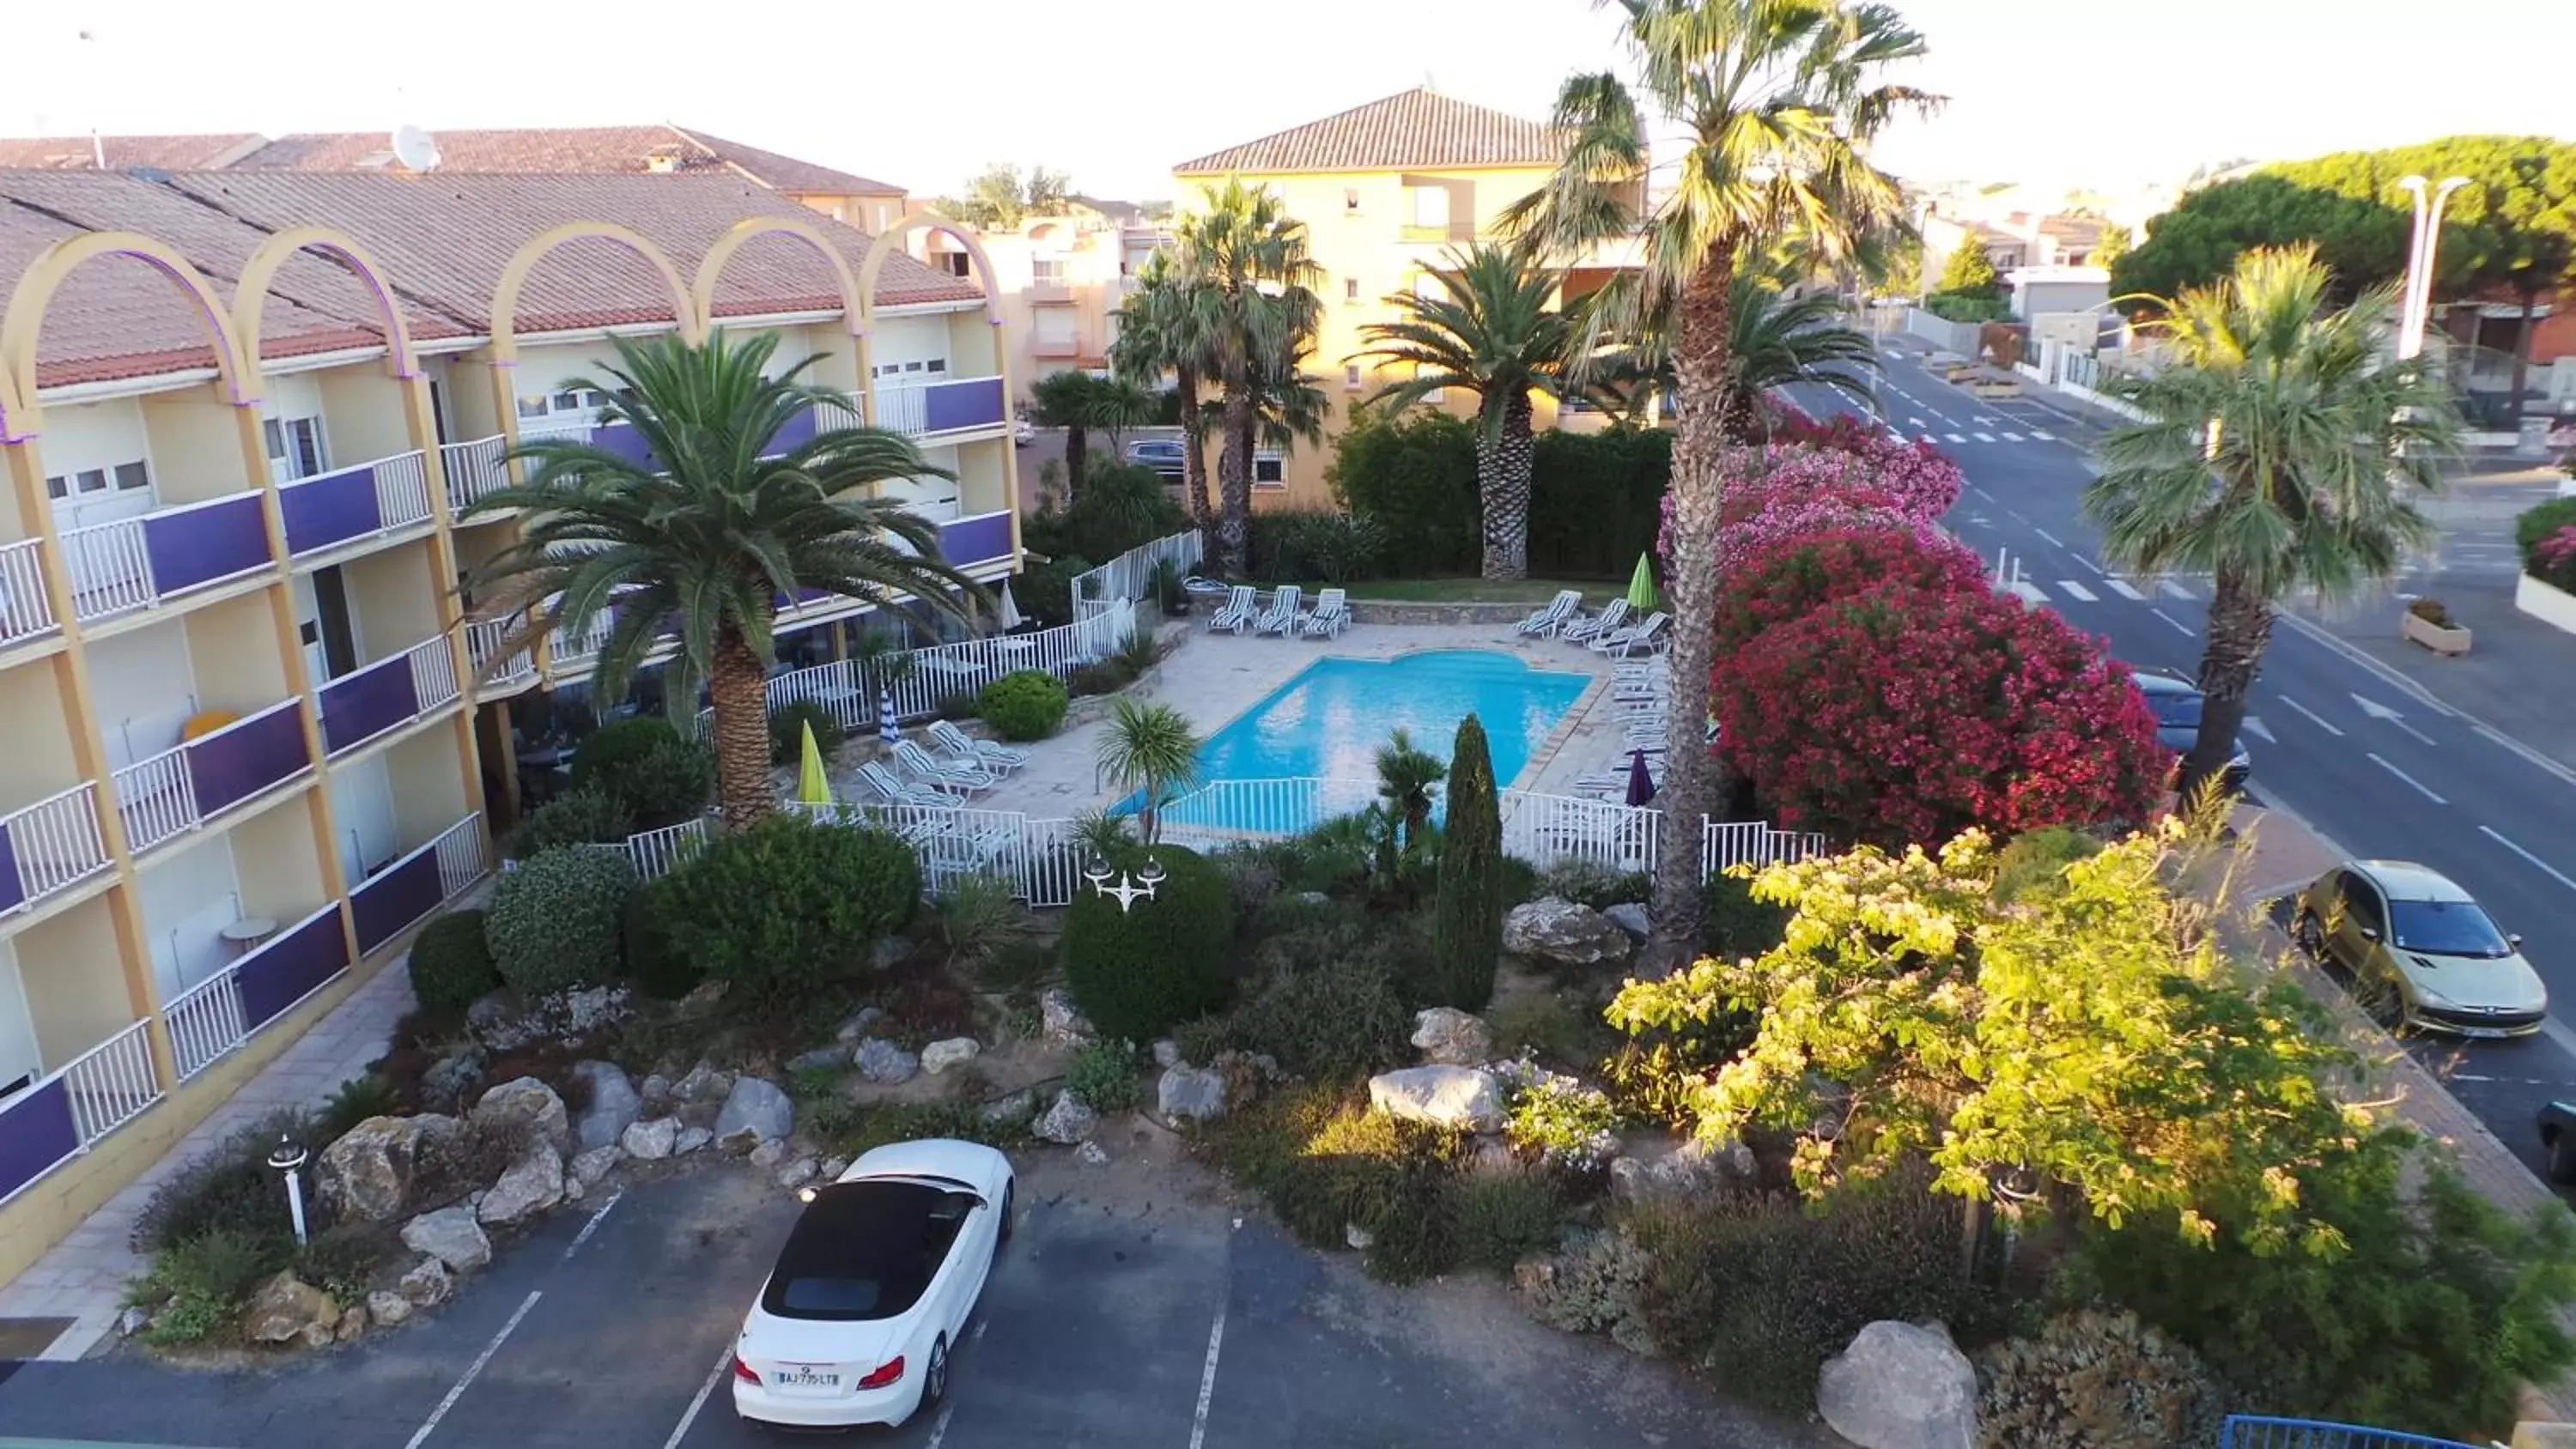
[2076, 591]
[1985, 437]
[2126, 590]
[2012, 437]
[2043, 437]
[2026, 591]
[2172, 590]
[1954, 437]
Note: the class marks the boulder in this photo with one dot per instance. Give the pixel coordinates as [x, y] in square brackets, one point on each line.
[1461, 1097]
[451, 1079]
[656, 1092]
[503, 1023]
[1065, 1024]
[798, 1173]
[771, 1152]
[1557, 930]
[1068, 1120]
[531, 1102]
[1900, 1386]
[315, 1336]
[702, 1000]
[883, 1062]
[1450, 1037]
[757, 1107]
[452, 1236]
[580, 1013]
[651, 1141]
[889, 952]
[859, 1025]
[533, 1184]
[573, 1190]
[388, 1308]
[132, 1321]
[427, 1285]
[283, 1308]
[820, 1059]
[1630, 917]
[1693, 1169]
[366, 1175]
[1167, 1053]
[353, 1321]
[1187, 1093]
[832, 1168]
[703, 1084]
[953, 1051]
[1358, 1237]
[690, 1140]
[614, 1104]
[591, 1166]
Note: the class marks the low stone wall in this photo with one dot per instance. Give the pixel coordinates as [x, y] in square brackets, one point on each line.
[1387, 611]
[2547, 603]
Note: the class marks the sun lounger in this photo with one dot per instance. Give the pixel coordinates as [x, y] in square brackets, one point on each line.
[1239, 612]
[1284, 613]
[1584, 631]
[1332, 615]
[1565, 606]
[991, 754]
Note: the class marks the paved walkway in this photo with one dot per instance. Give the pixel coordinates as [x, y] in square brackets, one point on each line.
[84, 1277]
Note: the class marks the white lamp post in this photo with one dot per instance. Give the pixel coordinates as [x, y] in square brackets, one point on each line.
[1130, 888]
[2415, 308]
[288, 1158]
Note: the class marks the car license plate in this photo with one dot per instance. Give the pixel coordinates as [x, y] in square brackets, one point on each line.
[806, 1378]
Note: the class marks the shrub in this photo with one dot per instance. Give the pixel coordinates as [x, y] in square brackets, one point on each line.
[617, 746]
[452, 1167]
[227, 1189]
[1103, 1075]
[2547, 537]
[1596, 500]
[2431, 611]
[1589, 884]
[787, 731]
[1467, 915]
[1290, 546]
[1106, 676]
[204, 1282]
[1325, 1162]
[451, 964]
[555, 921]
[1503, 1217]
[1340, 1020]
[1780, 579]
[1137, 973]
[1025, 705]
[589, 816]
[849, 1129]
[2094, 1380]
[1736, 924]
[676, 781]
[1519, 883]
[664, 973]
[341, 1259]
[1548, 1028]
[1558, 1121]
[980, 919]
[2038, 858]
[1414, 478]
[1593, 1284]
[1044, 591]
[1966, 307]
[788, 904]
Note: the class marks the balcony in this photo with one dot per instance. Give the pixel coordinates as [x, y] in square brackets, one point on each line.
[483, 642]
[1055, 347]
[179, 790]
[49, 847]
[66, 1113]
[395, 898]
[386, 695]
[138, 563]
[929, 410]
[474, 470]
[354, 505]
[220, 1013]
[26, 612]
[970, 543]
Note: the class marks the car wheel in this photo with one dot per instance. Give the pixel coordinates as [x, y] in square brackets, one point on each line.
[934, 1377]
[2562, 1157]
[1010, 1194]
[2310, 936]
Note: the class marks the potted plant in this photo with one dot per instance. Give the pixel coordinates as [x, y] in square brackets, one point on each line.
[2427, 623]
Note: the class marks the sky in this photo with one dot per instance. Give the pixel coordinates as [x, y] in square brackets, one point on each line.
[2076, 93]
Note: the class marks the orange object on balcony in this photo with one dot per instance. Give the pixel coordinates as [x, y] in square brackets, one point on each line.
[204, 723]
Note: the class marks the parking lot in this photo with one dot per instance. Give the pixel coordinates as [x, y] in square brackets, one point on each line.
[1135, 1307]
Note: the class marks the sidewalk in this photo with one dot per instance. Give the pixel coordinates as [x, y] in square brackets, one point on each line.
[81, 1282]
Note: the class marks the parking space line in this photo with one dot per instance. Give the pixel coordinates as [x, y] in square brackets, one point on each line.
[2409, 779]
[2048, 536]
[939, 1426]
[473, 1371]
[1207, 1382]
[715, 1375]
[2553, 871]
[592, 1226]
[1985, 437]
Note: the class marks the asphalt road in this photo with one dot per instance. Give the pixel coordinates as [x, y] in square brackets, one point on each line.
[2366, 758]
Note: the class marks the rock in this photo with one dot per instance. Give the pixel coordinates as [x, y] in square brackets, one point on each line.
[1311, 898]
[314, 1336]
[1092, 1154]
[427, 1285]
[452, 1236]
[889, 952]
[656, 1092]
[798, 1173]
[502, 1023]
[1167, 1053]
[388, 1309]
[651, 1141]
[1016, 1107]
[1191, 1094]
[533, 1184]
[450, 1079]
[528, 1101]
[1450, 1037]
[1358, 1237]
[1630, 917]
[883, 1062]
[573, 1190]
[953, 1051]
[690, 1140]
[1692, 1169]
[614, 1104]
[353, 1321]
[771, 1152]
[1557, 930]
[366, 1176]
[832, 1168]
[1065, 1023]
[131, 1322]
[703, 1084]
[756, 1106]
[820, 1059]
[580, 1013]
[598, 1162]
[859, 1025]
[1462, 1097]
[1900, 1386]
[1068, 1120]
[284, 1307]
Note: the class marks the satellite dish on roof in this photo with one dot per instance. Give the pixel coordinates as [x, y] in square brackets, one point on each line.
[415, 148]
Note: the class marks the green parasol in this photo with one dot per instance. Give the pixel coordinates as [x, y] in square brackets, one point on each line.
[1641, 588]
[813, 787]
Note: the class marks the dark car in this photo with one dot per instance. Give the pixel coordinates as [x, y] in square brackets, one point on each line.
[2176, 702]
[2558, 1137]
[1163, 455]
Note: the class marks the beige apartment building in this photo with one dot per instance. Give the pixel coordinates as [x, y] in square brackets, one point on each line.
[1061, 280]
[250, 741]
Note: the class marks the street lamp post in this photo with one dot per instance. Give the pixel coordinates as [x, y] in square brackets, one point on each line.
[2415, 309]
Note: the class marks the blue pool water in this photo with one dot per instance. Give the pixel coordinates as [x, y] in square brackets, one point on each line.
[1329, 720]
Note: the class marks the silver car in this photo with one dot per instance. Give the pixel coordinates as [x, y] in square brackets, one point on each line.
[2419, 950]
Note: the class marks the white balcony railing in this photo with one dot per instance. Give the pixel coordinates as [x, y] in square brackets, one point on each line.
[206, 1021]
[474, 470]
[133, 563]
[155, 799]
[112, 1083]
[483, 642]
[25, 609]
[907, 407]
[464, 856]
[111, 569]
[56, 843]
[160, 797]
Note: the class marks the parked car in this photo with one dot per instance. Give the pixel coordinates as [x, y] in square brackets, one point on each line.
[2176, 702]
[1163, 455]
[857, 1320]
[2558, 1140]
[2421, 949]
[1023, 432]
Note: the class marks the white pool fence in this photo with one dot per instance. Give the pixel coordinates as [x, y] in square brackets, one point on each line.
[1130, 576]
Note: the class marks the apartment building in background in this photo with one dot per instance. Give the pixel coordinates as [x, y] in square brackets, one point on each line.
[1061, 280]
[251, 740]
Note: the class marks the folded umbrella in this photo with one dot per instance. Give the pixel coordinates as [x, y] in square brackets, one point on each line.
[1641, 782]
[886, 729]
[813, 787]
[1641, 586]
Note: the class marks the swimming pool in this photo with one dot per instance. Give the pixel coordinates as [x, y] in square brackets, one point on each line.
[1329, 720]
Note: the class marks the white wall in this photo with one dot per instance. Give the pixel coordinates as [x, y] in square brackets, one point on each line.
[188, 899]
[295, 395]
[142, 683]
[18, 1056]
[911, 339]
[362, 806]
[94, 435]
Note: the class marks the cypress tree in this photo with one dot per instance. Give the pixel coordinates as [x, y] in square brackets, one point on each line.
[1467, 919]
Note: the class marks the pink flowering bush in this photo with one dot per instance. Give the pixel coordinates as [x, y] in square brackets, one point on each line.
[1773, 579]
[1777, 491]
[2553, 559]
[1905, 713]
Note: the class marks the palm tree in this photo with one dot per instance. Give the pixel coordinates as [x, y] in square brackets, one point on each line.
[708, 546]
[1772, 341]
[2282, 450]
[1776, 101]
[1118, 404]
[1170, 326]
[1246, 248]
[1491, 332]
[1149, 748]
[1405, 777]
[1065, 400]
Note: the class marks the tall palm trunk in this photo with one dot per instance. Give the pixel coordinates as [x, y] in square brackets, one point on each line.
[1692, 790]
[1234, 475]
[1194, 460]
[740, 684]
[1077, 456]
[2240, 629]
[1503, 465]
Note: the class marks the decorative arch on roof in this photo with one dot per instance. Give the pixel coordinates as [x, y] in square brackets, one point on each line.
[250, 298]
[702, 291]
[891, 241]
[23, 323]
[514, 278]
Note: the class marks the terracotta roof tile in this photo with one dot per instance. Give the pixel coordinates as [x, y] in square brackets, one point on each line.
[1417, 128]
[168, 153]
[600, 150]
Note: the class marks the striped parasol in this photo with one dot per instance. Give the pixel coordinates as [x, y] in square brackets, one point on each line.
[886, 728]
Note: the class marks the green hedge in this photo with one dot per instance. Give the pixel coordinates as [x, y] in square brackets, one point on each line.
[616, 746]
[783, 906]
[1416, 478]
[1139, 972]
[1596, 499]
[587, 816]
[1027, 704]
[660, 778]
[554, 923]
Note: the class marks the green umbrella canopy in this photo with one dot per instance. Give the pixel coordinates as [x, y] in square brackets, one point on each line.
[813, 787]
[1641, 587]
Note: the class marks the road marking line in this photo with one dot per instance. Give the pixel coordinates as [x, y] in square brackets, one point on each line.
[2125, 589]
[1916, 422]
[2553, 871]
[592, 1226]
[2076, 591]
[1953, 437]
[1926, 439]
[2388, 673]
[2529, 754]
[2177, 623]
[724, 1361]
[980, 1325]
[2016, 516]
[2012, 437]
[1985, 437]
[2409, 779]
[2254, 726]
[2172, 590]
[939, 1426]
[1981, 493]
[2098, 571]
[1207, 1383]
[2050, 537]
[2043, 437]
[2313, 717]
[2026, 591]
[473, 1370]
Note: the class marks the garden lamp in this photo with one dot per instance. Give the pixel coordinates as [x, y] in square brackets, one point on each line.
[287, 1158]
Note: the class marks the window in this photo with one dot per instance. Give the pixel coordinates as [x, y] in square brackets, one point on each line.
[956, 263]
[1047, 271]
[1351, 376]
[1350, 289]
[2448, 928]
[90, 480]
[1269, 470]
[58, 487]
[131, 476]
[1054, 327]
[1430, 206]
[1350, 201]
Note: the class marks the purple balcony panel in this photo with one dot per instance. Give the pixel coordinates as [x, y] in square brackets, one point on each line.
[285, 971]
[391, 900]
[194, 546]
[796, 432]
[13, 893]
[36, 1134]
[973, 403]
[358, 707]
[331, 510]
[238, 762]
[972, 541]
[623, 440]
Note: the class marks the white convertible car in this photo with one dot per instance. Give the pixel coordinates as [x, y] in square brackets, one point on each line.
[856, 1322]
